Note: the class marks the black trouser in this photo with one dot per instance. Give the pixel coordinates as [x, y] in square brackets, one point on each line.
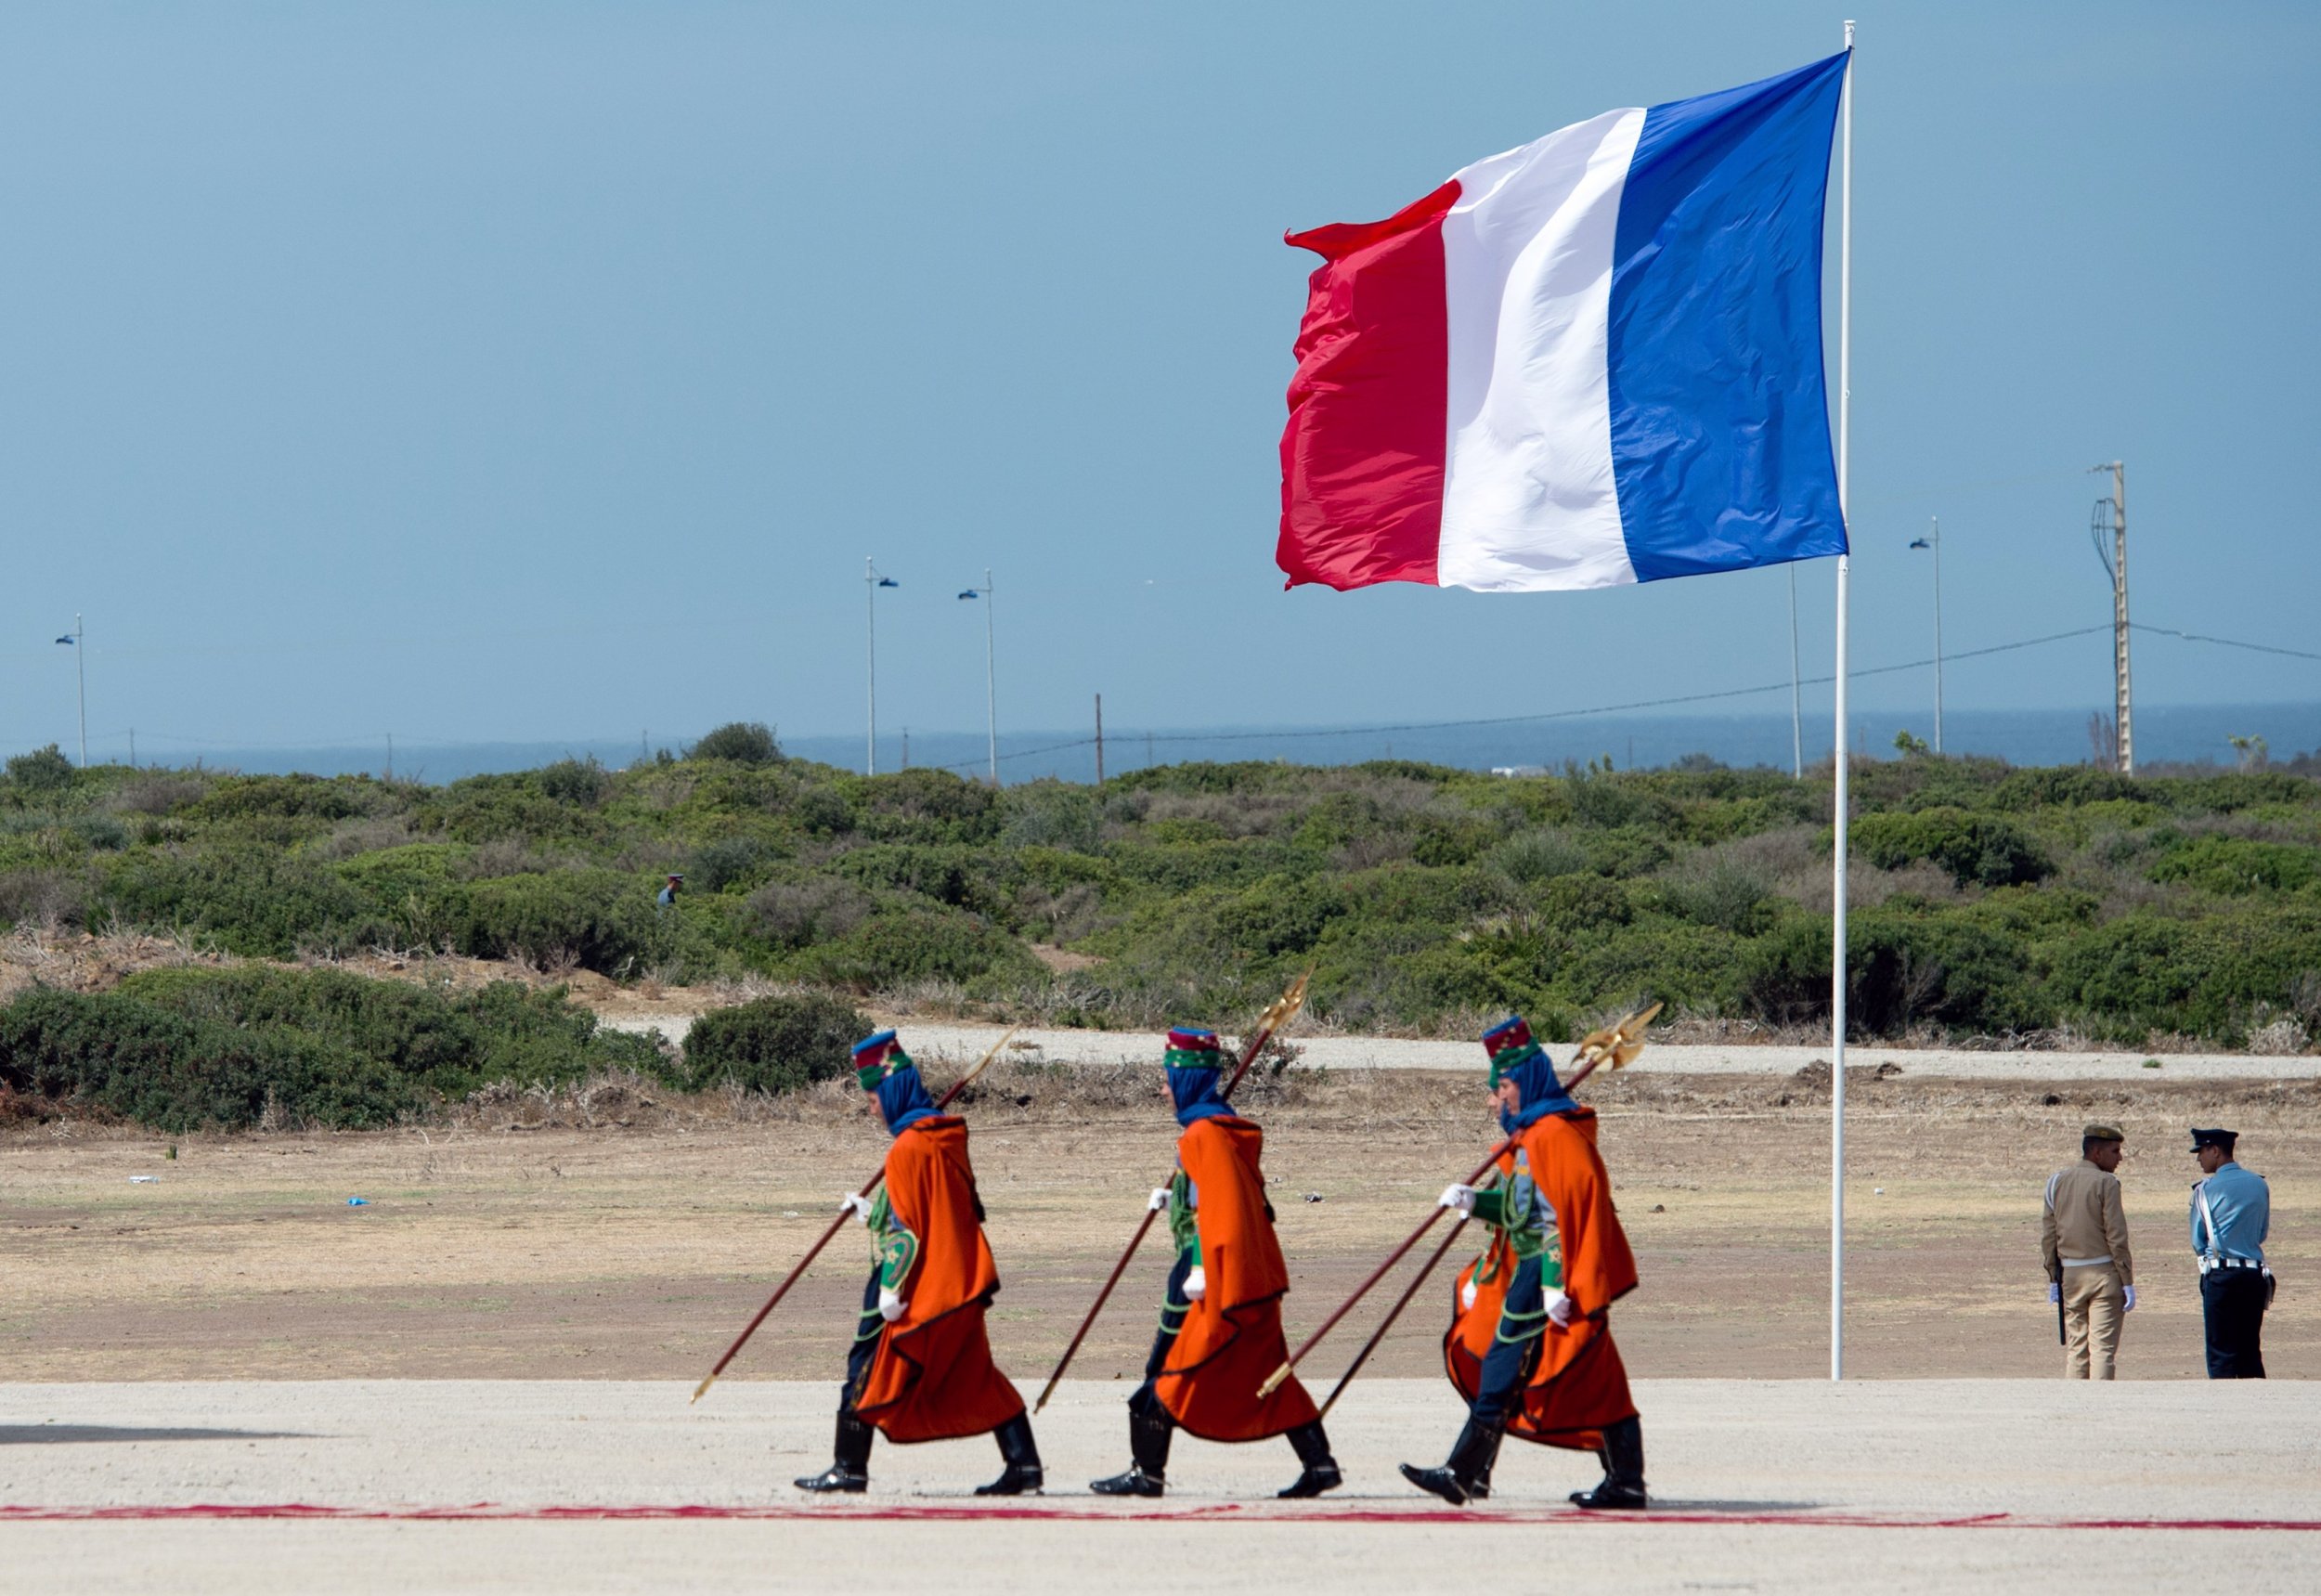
[1150, 1418]
[2232, 1305]
[1522, 1324]
[1144, 1401]
[865, 1347]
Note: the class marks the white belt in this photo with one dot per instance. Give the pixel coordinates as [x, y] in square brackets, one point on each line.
[2207, 1264]
[2101, 1263]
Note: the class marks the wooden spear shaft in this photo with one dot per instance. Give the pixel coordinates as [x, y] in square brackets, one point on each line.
[1393, 1313]
[1274, 1380]
[1274, 1018]
[1425, 1269]
[831, 1234]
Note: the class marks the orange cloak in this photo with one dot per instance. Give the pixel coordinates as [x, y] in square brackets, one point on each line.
[1232, 1337]
[1578, 1383]
[932, 1378]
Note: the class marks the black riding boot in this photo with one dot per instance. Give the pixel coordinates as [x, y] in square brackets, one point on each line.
[1479, 1488]
[1321, 1469]
[1148, 1445]
[1469, 1466]
[1623, 1469]
[851, 1470]
[1021, 1455]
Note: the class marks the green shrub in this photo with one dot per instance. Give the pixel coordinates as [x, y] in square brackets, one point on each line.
[179, 1048]
[444, 1044]
[2238, 866]
[599, 920]
[1977, 850]
[580, 784]
[253, 901]
[742, 742]
[1903, 969]
[2211, 978]
[41, 771]
[145, 1062]
[773, 1044]
[894, 946]
[729, 862]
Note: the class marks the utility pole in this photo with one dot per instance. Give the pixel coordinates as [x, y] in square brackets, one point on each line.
[1099, 739]
[1934, 540]
[990, 679]
[2123, 697]
[872, 582]
[78, 643]
[390, 758]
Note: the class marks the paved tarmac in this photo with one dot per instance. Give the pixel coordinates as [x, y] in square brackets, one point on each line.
[361, 1486]
[953, 1043]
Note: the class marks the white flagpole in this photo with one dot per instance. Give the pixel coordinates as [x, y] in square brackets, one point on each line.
[1837, 850]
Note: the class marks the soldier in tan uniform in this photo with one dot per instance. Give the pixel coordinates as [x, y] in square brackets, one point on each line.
[2083, 1239]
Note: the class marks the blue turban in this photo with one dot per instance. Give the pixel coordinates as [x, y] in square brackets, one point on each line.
[881, 1066]
[1193, 1061]
[1516, 1056]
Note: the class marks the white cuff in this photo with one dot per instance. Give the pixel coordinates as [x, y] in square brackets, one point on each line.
[1560, 1309]
[1196, 1284]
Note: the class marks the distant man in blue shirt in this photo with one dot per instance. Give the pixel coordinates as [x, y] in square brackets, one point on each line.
[666, 896]
[2231, 1210]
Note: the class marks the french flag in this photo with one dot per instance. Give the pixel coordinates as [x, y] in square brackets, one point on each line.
[1593, 360]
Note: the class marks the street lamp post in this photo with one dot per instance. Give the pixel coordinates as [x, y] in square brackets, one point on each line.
[80, 667]
[872, 582]
[991, 678]
[1934, 540]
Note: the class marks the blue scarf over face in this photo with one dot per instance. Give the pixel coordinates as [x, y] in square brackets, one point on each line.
[1193, 1061]
[1516, 1056]
[881, 1066]
[902, 1099]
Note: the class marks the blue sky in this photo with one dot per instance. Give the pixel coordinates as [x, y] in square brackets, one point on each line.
[537, 371]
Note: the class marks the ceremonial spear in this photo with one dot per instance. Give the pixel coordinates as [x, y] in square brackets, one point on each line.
[1279, 1013]
[826, 1237]
[1615, 1046]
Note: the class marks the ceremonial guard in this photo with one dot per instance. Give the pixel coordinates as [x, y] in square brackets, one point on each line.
[1530, 1345]
[2232, 1213]
[1220, 1331]
[921, 1365]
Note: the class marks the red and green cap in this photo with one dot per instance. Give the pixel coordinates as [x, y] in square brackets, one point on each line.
[1192, 1049]
[1510, 1046]
[875, 1057]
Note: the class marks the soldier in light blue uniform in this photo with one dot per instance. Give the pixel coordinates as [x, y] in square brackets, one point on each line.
[2231, 1212]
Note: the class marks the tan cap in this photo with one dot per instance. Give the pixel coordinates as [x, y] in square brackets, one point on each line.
[2102, 1133]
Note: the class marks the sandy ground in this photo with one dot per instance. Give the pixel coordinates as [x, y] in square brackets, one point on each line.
[585, 1487]
[635, 1251]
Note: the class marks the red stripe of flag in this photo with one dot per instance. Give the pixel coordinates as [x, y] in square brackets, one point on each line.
[1362, 458]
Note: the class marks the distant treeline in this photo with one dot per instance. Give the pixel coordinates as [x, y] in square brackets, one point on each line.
[1987, 901]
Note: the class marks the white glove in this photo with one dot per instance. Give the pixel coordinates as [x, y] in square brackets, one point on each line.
[2130, 1306]
[1466, 1294]
[1158, 1201]
[891, 1307]
[1196, 1284]
[1462, 1197]
[1559, 1310]
[2054, 1291]
[854, 1202]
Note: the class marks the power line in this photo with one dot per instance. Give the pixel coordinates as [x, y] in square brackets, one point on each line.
[1781, 687]
[2226, 642]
